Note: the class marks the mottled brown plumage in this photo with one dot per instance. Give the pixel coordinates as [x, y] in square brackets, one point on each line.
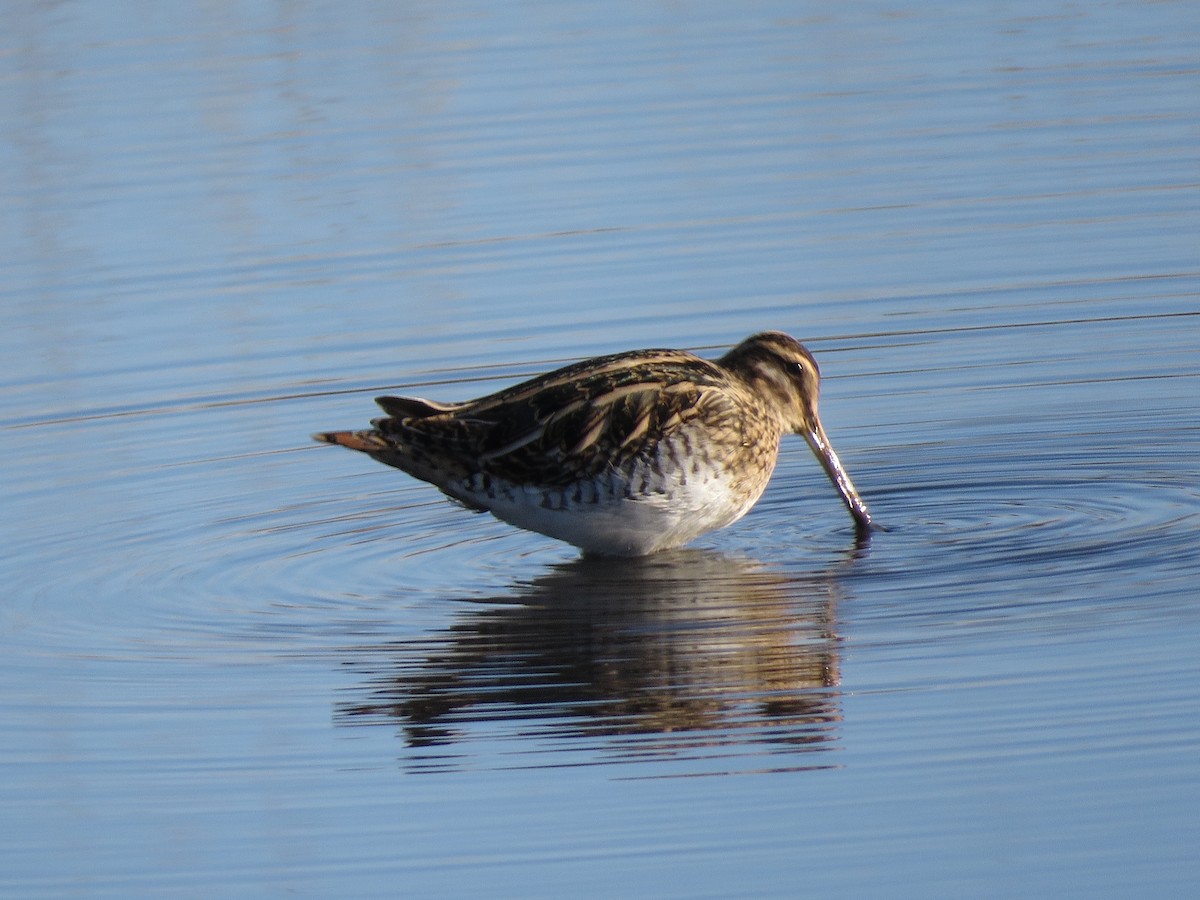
[623, 454]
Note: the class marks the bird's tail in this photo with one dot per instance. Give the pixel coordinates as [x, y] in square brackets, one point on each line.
[366, 441]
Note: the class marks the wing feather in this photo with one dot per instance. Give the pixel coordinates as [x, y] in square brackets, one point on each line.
[566, 425]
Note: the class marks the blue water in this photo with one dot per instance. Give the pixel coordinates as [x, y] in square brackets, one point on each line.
[235, 661]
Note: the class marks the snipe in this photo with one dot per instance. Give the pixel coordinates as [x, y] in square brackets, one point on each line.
[620, 455]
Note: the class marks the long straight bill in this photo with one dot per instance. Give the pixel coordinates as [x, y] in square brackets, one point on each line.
[823, 450]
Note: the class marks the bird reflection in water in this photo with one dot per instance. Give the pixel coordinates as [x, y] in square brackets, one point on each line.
[685, 654]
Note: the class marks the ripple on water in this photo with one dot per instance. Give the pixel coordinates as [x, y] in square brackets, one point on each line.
[220, 548]
[1035, 524]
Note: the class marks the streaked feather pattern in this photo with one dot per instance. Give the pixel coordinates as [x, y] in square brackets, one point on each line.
[625, 454]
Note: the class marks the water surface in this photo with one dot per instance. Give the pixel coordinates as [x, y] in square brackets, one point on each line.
[237, 661]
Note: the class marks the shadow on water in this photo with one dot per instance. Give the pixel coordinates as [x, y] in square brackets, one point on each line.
[683, 655]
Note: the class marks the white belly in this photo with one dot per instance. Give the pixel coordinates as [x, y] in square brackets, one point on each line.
[609, 519]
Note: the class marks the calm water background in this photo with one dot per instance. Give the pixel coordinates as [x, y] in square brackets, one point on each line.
[236, 662]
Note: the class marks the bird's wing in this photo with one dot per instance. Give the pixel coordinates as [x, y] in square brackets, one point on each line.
[573, 423]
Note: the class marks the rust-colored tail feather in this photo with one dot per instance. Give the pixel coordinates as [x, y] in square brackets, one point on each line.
[365, 441]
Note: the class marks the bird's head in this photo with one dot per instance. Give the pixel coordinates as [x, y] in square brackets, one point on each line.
[786, 376]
